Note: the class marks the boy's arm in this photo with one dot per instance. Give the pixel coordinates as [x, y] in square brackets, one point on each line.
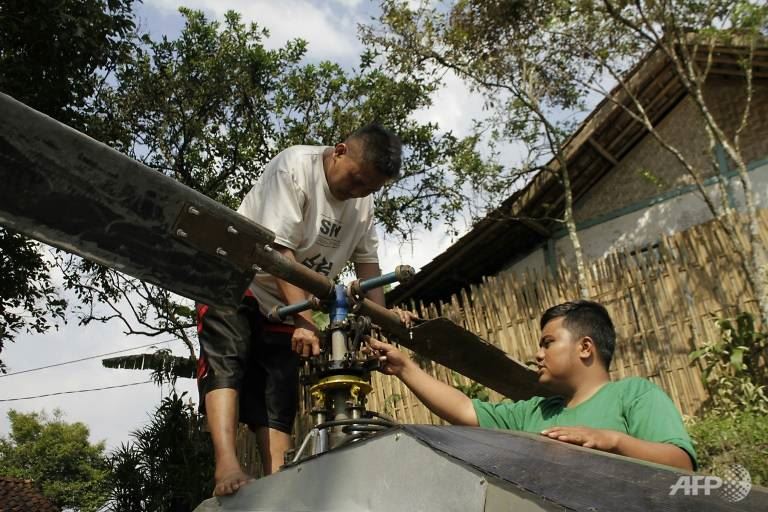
[365, 271]
[446, 401]
[661, 453]
[622, 444]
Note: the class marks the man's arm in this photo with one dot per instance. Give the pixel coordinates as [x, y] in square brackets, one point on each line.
[446, 401]
[304, 341]
[369, 270]
[622, 444]
[366, 271]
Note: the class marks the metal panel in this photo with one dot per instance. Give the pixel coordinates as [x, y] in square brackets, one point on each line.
[573, 477]
[68, 190]
[501, 496]
[390, 472]
[439, 468]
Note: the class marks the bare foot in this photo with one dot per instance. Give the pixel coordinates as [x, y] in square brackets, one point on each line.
[230, 481]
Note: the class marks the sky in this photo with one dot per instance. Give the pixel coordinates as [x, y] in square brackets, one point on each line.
[330, 27]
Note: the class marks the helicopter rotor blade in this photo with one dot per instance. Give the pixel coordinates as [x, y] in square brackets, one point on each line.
[63, 188]
[461, 350]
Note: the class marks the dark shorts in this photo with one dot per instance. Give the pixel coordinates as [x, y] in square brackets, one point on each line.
[242, 350]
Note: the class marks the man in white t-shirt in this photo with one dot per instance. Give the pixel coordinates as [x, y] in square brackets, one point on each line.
[318, 201]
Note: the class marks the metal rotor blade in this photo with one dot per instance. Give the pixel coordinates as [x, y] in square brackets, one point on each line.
[61, 187]
[459, 349]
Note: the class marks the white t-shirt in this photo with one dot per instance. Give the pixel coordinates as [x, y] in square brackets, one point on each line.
[292, 198]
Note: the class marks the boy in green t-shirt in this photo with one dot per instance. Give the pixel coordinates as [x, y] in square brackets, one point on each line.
[630, 417]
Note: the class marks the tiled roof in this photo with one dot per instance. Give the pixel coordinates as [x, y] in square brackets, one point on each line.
[17, 495]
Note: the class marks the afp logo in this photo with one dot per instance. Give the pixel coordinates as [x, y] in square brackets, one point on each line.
[734, 487]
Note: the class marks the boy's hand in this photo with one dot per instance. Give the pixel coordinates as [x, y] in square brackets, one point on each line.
[392, 361]
[599, 439]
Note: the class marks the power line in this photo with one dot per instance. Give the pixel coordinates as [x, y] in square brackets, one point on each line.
[86, 358]
[74, 391]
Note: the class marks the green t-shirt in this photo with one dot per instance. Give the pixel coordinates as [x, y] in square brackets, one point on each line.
[634, 406]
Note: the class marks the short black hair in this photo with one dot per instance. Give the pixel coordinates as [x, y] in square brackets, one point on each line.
[382, 148]
[586, 318]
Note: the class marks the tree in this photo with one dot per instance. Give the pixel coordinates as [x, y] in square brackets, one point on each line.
[193, 108]
[688, 34]
[58, 456]
[528, 83]
[549, 56]
[167, 468]
[211, 107]
[55, 55]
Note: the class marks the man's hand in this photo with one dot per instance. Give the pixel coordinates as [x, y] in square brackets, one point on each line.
[392, 361]
[305, 341]
[406, 317]
[599, 439]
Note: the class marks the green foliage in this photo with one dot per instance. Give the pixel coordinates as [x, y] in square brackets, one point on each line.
[472, 389]
[198, 108]
[28, 299]
[167, 467]
[735, 367]
[509, 51]
[734, 426]
[54, 55]
[211, 107]
[739, 438]
[321, 319]
[57, 455]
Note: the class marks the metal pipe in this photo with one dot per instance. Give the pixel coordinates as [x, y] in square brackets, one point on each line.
[338, 345]
[362, 421]
[375, 282]
[310, 435]
[322, 442]
[338, 314]
[340, 308]
[278, 314]
[282, 313]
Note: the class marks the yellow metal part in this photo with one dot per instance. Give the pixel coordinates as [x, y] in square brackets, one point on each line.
[358, 387]
[318, 399]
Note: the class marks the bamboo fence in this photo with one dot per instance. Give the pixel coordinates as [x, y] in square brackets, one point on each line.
[663, 300]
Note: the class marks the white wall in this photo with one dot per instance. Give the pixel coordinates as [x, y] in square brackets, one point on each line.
[647, 225]
[533, 261]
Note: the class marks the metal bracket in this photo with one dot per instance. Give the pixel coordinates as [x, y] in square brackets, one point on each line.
[213, 234]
